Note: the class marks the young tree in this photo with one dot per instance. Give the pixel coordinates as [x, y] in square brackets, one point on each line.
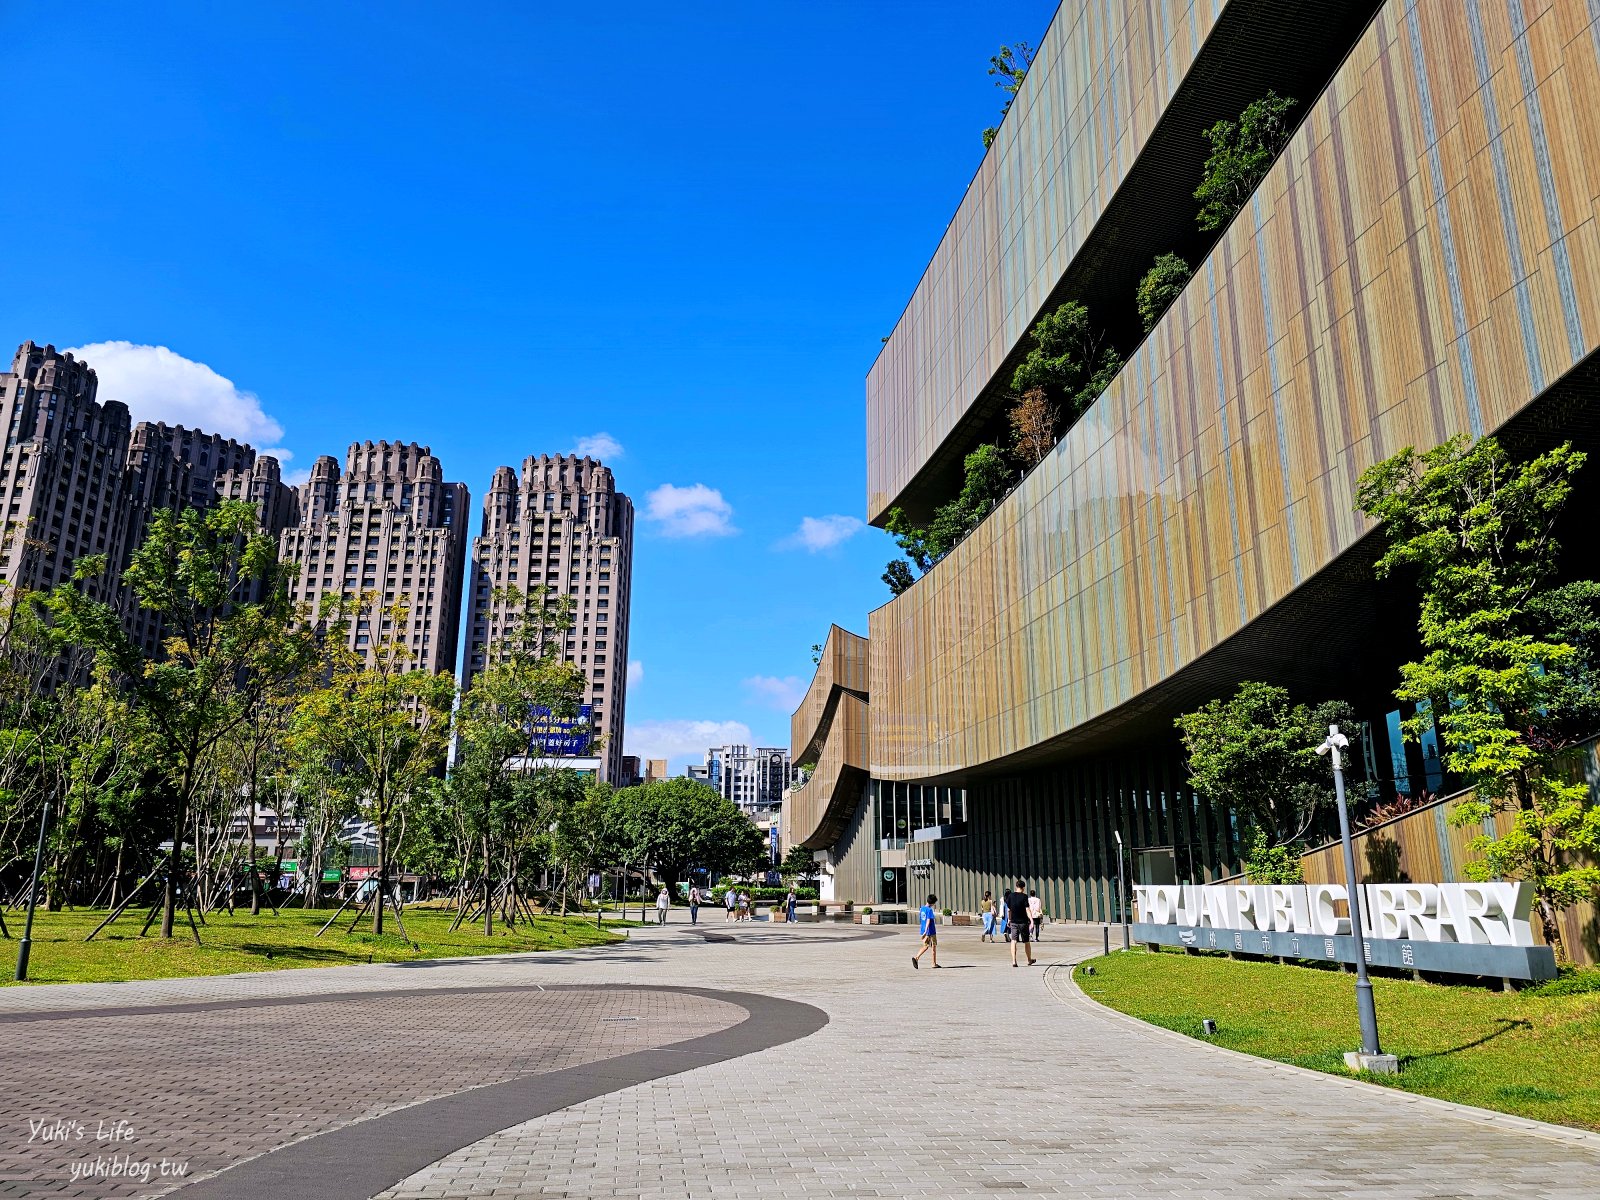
[1010, 67]
[1161, 285]
[379, 721]
[195, 572]
[1069, 360]
[1033, 427]
[799, 864]
[1508, 670]
[1242, 152]
[493, 724]
[1256, 752]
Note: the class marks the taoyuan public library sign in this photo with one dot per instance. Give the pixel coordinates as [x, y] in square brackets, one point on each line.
[1453, 928]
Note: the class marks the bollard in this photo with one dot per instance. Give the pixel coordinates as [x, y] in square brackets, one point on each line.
[1107, 931]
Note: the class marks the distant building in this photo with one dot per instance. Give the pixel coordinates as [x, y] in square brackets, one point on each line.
[77, 479]
[752, 778]
[561, 526]
[654, 769]
[388, 524]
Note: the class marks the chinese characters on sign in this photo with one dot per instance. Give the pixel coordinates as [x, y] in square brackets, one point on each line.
[550, 736]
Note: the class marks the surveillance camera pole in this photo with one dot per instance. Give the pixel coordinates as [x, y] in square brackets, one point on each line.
[1364, 1006]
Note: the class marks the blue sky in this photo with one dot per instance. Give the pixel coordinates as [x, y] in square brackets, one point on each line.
[502, 228]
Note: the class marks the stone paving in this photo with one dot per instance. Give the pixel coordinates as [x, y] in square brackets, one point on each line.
[966, 1081]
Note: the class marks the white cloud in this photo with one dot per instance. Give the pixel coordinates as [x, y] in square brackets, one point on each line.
[782, 694]
[158, 384]
[635, 673]
[693, 511]
[680, 739]
[599, 445]
[822, 533]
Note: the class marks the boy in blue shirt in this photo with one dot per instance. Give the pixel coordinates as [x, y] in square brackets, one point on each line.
[930, 933]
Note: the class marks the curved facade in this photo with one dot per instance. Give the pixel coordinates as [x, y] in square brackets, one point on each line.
[1422, 261]
[830, 732]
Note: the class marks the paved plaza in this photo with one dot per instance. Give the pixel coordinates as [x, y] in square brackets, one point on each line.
[725, 1061]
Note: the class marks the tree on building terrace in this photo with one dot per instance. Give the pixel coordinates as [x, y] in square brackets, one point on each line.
[1509, 667]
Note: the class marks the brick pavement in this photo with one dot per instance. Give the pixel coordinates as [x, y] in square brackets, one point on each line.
[975, 1080]
[961, 1082]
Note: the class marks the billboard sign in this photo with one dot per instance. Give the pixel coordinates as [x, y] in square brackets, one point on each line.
[550, 736]
[772, 834]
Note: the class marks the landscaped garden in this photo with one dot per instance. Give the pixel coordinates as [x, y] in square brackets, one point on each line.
[1535, 1053]
[272, 942]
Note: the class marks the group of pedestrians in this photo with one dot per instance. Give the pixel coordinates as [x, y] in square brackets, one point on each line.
[1017, 916]
[738, 904]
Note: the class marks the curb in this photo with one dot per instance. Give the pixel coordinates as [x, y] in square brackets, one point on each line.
[1068, 992]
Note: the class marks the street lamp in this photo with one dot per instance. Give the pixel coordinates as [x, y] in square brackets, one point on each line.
[33, 897]
[1370, 1057]
[1122, 890]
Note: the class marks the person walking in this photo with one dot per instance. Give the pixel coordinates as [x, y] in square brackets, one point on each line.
[1017, 919]
[989, 910]
[1005, 913]
[731, 898]
[694, 905]
[744, 905]
[789, 905]
[662, 903]
[929, 921]
[1036, 914]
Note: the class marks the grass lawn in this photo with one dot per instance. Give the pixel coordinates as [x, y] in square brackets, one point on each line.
[265, 943]
[1524, 1053]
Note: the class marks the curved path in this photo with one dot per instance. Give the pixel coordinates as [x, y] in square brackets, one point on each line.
[729, 1080]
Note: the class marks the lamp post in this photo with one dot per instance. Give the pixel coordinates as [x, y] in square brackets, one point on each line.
[33, 897]
[1371, 1057]
[1122, 890]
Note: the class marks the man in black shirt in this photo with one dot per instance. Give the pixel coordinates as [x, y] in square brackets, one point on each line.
[1017, 917]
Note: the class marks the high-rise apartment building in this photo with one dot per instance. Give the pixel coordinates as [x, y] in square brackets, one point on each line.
[64, 473]
[562, 526]
[389, 524]
[751, 778]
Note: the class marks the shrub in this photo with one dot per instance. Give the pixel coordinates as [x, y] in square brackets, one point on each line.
[1266, 863]
[1242, 152]
[1069, 360]
[1160, 287]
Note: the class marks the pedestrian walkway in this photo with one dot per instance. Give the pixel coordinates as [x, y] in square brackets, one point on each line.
[966, 1081]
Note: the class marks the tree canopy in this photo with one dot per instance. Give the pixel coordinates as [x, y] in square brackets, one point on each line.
[1242, 152]
[1508, 668]
[1256, 753]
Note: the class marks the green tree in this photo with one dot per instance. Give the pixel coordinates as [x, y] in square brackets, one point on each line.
[898, 576]
[1266, 863]
[380, 723]
[195, 572]
[1160, 286]
[799, 864]
[528, 671]
[1010, 68]
[1242, 152]
[1069, 360]
[674, 825]
[986, 481]
[1256, 753]
[1507, 668]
